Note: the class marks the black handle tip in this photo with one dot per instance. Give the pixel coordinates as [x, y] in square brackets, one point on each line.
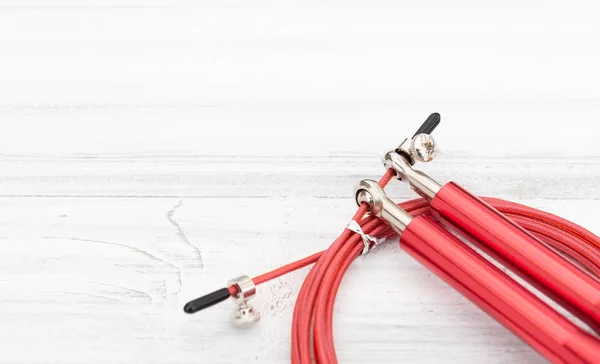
[430, 124]
[206, 301]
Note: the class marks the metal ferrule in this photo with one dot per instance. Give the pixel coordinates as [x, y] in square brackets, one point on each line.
[370, 192]
[245, 286]
[418, 181]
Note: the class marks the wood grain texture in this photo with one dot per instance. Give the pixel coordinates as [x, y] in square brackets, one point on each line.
[150, 151]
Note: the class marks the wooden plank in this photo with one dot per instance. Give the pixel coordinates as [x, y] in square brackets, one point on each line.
[333, 176]
[90, 280]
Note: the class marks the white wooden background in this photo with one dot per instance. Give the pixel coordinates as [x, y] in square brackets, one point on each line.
[152, 150]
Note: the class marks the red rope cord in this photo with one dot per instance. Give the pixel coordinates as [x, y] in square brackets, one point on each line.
[313, 312]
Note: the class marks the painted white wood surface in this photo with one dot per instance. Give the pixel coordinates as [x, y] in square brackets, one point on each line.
[152, 150]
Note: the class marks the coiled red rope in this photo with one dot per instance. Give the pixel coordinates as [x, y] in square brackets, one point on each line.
[313, 312]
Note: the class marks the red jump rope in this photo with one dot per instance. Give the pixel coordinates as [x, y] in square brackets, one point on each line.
[533, 244]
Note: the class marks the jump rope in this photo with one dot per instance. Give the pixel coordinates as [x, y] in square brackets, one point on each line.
[558, 257]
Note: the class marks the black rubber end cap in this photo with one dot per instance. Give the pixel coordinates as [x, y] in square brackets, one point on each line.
[206, 301]
[430, 124]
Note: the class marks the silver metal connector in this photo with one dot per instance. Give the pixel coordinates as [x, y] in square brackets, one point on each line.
[370, 192]
[244, 315]
[419, 181]
[422, 148]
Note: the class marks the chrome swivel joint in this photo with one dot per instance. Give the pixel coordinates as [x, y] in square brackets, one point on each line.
[418, 181]
[421, 147]
[369, 192]
[244, 314]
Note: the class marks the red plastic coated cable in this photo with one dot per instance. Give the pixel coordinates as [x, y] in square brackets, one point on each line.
[313, 312]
